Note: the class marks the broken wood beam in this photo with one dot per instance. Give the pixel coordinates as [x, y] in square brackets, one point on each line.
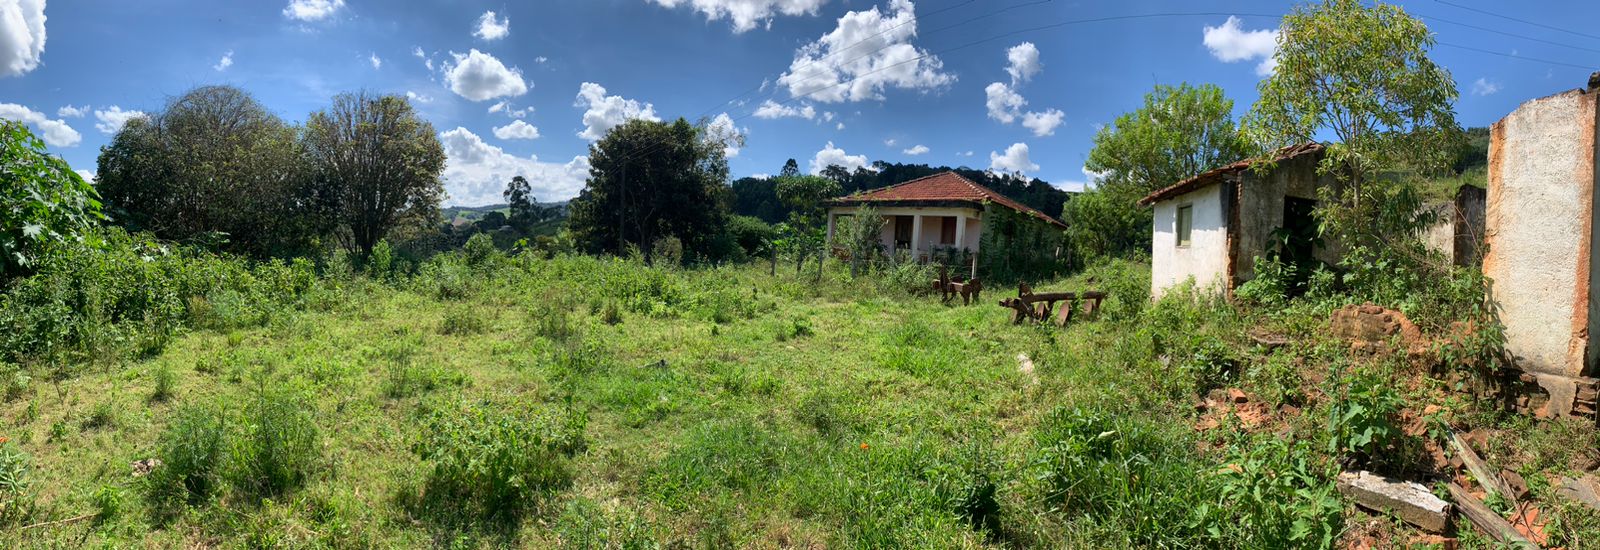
[1407, 500]
[1481, 471]
[1487, 520]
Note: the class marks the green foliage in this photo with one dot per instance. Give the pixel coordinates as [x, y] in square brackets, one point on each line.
[108, 503]
[15, 484]
[380, 265]
[650, 180]
[753, 235]
[462, 322]
[804, 196]
[380, 162]
[279, 443]
[1363, 419]
[104, 415]
[213, 167]
[480, 250]
[860, 233]
[42, 200]
[1178, 132]
[192, 450]
[497, 462]
[1017, 247]
[667, 252]
[1361, 74]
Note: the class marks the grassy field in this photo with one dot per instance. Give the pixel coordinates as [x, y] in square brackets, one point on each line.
[600, 403]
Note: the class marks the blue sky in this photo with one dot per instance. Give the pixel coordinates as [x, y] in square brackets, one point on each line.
[522, 88]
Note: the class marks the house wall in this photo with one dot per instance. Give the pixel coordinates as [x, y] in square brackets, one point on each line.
[1540, 224]
[1261, 199]
[1458, 231]
[1205, 260]
[929, 238]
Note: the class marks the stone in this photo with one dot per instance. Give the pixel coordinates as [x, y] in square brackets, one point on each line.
[1408, 500]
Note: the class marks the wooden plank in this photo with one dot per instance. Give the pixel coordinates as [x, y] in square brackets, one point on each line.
[1487, 520]
[1407, 500]
[1485, 475]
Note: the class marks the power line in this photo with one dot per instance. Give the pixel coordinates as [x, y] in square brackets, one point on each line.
[1513, 35]
[1523, 21]
[1515, 56]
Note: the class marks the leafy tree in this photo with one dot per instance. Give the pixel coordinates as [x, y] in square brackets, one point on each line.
[1178, 132]
[758, 197]
[213, 165]
[790, 169]
[1362, 75]
[649, 180]
[42, 201]
[861, 235]
[519, 196]
[381, 161]
[804, 195]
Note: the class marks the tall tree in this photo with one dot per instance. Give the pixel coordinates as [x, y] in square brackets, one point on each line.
[42, 200]
[650, 180]
[1178, 132]
[1362, 75]
[790, 169]
[519, 197]
[382, 162]
[213, 163]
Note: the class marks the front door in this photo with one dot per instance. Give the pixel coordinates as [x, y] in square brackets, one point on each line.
[1299, 239]
[902, 232]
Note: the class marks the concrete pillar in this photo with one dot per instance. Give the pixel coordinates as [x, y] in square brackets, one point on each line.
[961, 231]
[916, 234]
[829, 239]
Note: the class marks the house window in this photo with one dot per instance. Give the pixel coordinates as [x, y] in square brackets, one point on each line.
[947, 235]
[1185, 224]
[902, 232]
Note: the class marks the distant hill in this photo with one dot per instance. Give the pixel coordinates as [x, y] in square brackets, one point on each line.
[451, 214]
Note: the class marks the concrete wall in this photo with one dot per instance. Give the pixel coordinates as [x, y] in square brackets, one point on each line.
[1261, 198]
[931, 224]
[1458, 231]
[1206, 258]
[1540, 230]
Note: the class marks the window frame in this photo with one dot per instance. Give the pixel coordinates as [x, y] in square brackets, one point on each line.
[1183, 225]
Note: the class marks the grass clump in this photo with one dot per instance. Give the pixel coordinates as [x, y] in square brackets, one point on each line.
[463, 322]
[192, 452]
[496, 462]
[15, 485]
[165, 381]
[279, 443]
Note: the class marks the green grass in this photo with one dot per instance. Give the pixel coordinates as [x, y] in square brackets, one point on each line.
[580, 402]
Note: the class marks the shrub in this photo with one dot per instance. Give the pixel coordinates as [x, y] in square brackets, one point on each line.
[42, 202]
[495, 464]
[1363, 421]
[461, 322]
[14, 381]
[405, 379]
[667, 251]
[611, 314]
[165, 379]
[279, 444]
[191, 450]
[906, 277]
[107, 503]
[480, 250]
[552, 315]
[104, 415]
[380, 264]
[15, 497]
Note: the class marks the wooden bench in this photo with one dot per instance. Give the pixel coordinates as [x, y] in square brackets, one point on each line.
[1041, 307]
[968, 290]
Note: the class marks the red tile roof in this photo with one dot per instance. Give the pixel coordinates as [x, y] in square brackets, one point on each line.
[941, 187]
[1215, 174]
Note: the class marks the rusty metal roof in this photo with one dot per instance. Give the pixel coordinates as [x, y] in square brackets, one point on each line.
[1215, 175]
[943, 187]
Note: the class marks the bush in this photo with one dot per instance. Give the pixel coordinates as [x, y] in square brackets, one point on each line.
[480, 250]
[905, 277]
[43, 202]
[192, 451]
[15, 497]
[462, 322]
[494, 464]
[279, 445]
[552, 315]
[380, 264]
[165, 379]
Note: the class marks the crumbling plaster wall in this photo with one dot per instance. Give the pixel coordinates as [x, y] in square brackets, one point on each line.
[1261, 199]
[1540, 229]
[1205, 259]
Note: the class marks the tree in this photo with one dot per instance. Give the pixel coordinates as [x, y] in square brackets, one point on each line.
[213, 165]
[649, 180]
[861, 235]
[790, 169]
[42, 201]
[519, 196]
[381, 161]
[1178, 132]
[1361, 75]
[804, 196]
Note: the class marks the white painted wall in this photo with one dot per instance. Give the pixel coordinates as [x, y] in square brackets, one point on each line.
[1539, 220]
[1205, 259]
[931, 224]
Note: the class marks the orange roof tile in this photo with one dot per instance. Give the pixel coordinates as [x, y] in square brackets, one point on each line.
[1215, 174]
[941, 187]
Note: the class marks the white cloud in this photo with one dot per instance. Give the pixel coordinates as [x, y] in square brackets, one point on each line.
[745, 14]
[225, 62]
[490, 28]
[505, 106]
[1230, 44]
[889, 142]
[419, 98]
[770, 109]
[517, 130]
[112, 119]
[1045, 123]
[1091, 179]
[916, 150]
[86, 175]
[834, 156]
[476, 172]
[1484, 86]
[21, 36]
[722, 129]
[541, 60]
[426, 60]
[1014, 161]
[605, 112]
[478, 76]
[312, 10]
[376, 63]
[818, 73]
[56, 133]
[1023, 62]
[966, 154]
[839, 126]
[1003, 102]
[70, 111]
